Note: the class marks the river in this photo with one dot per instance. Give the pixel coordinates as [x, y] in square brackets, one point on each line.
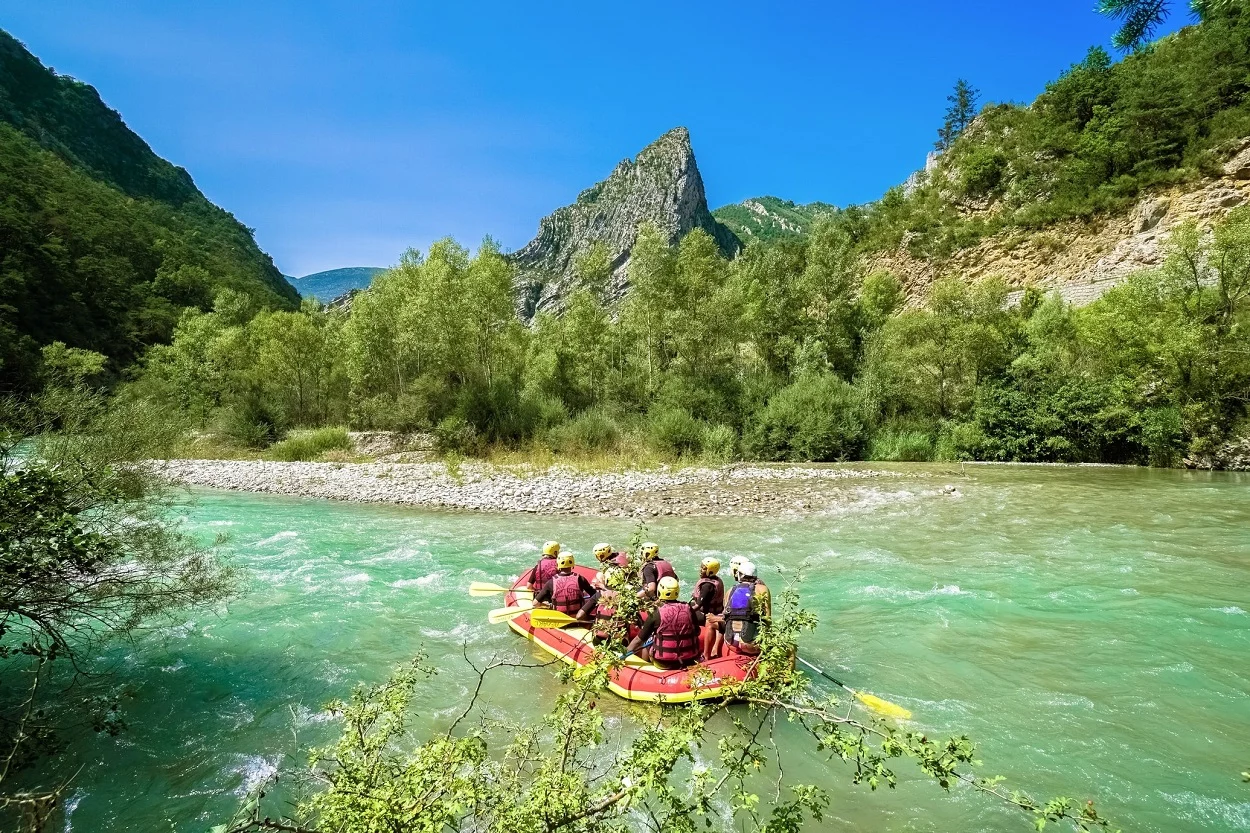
[1088, 627]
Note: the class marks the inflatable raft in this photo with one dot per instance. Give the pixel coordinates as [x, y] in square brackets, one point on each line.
[635, 680]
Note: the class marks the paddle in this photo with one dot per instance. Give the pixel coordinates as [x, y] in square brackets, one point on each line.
[503, 614]
[485, 588]
[871, 701]
[540, 617]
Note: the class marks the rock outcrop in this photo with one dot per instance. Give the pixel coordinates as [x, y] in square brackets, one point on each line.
[1079, 259]
[661, 186]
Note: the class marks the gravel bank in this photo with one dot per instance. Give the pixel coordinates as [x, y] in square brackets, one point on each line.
[691, 492]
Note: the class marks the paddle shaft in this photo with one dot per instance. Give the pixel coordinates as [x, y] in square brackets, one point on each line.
[826, 676]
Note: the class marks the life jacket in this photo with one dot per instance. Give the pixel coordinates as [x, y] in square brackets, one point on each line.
[718, 595]
[663, 569]
[621, 559]
[543, 571]
[742, 622]
[676, 640]
[566, 594]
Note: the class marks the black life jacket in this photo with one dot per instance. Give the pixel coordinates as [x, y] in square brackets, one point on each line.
[676, 640]
[742, 622]
[718, 595]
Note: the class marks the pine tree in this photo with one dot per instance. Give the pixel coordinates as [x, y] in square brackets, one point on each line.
[960, 113]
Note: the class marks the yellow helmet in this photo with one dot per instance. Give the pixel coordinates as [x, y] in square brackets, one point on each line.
[564, 561]
[603, 551]
[551, 548]
[668, 589]
[710, 565]
[650, 551]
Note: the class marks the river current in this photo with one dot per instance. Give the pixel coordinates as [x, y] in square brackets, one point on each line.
[1087, 627]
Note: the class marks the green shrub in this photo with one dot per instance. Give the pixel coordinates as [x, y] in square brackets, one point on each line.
[589, 431]
[720, 443]
[252, 423]
[901, 446]
[674, 431]
[981, 171]
[303, 446]
[818, 418]
[959, 441]
[456, 436]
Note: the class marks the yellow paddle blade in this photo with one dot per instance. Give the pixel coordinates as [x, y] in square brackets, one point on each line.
[503, 614]
[485, 588]
[541, 618]
[884, 707]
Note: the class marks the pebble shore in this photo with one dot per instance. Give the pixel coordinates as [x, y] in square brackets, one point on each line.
[735, 490]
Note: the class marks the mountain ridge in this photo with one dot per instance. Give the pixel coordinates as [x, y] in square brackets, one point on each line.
[661, 185]
[330, 284]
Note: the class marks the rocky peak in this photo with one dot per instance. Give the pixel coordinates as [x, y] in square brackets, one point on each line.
[661, 185]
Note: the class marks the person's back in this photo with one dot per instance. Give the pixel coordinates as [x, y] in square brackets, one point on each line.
[747, 605]
[676, 640]
[546, 566]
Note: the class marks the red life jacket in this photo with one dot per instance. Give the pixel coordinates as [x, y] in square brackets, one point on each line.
[622, 560]
[676, 640]
[566, 594]
[543, 571]
[718, 595]
[663, 569]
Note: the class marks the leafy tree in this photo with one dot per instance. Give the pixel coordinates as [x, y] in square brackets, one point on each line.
[960, 113]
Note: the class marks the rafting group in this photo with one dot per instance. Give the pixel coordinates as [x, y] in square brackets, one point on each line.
[667, 631]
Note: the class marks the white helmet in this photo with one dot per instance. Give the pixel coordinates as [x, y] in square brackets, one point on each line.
[747, 569]
[735, 563]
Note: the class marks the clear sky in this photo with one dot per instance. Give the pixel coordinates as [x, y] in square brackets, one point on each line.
[345, 132]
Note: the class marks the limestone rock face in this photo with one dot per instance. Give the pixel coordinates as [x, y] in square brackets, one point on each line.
[661, 186]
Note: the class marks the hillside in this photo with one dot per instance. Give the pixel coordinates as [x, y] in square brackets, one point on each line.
[1083, 186]
[770, 218]
[661, 186]
[104, 242]
[334, 283]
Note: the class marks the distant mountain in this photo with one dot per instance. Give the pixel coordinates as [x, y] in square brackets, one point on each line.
[661, 185]
[104, 243]
[333, 283]
[770, 218]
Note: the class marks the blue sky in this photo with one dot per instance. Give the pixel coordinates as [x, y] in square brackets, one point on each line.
[345, 132]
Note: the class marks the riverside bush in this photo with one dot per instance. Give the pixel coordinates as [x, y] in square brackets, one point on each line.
[816, 418]
[674, 431]
[901, 445]
[306, 446]
[590, 431]
[720, 443]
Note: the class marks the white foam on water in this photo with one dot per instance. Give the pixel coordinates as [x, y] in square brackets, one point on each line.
[430, 580]
[273, 539]
[71, 804]
[305, 716]
[1236, 814]
[255, 771]
[355, 578]
[1130, 591]
[904, 593]
[177, 666]
[461, 630]
[1231, 610]
[222, 523]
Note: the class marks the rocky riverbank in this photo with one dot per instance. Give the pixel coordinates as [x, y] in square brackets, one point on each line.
[692, 492]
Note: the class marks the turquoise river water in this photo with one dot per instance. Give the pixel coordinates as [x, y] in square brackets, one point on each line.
[1087, 627]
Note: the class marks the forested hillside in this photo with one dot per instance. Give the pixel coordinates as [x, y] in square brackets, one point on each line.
[770, 218]
[102, 242]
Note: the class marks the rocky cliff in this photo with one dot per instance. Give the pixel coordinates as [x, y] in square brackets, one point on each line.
[661, 186]
[1082, 259]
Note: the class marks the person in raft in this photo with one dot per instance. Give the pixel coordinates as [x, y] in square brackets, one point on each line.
[567, 591]
[709, 597]
[673, 630]
[654, 568]
[546, 566]
[748, 605]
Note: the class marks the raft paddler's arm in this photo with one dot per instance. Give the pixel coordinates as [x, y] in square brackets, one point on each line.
[697, 616]
[547, 592]
[592, 598]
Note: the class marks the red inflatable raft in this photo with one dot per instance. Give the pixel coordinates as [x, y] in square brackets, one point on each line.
[635, 680]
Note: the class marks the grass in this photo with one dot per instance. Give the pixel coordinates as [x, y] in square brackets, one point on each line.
[305, 446]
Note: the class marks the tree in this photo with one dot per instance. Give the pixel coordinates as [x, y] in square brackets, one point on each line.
[960, 113]
[89, 551]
